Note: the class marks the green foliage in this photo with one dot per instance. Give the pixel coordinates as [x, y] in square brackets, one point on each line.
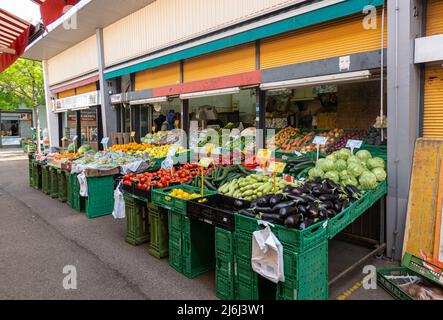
[22, 85]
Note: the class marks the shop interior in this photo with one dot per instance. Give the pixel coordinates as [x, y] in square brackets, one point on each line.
[86, 130]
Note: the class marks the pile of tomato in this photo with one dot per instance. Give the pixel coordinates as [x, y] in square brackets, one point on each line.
[164, 178]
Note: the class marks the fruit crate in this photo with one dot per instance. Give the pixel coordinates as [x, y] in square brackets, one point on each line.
[100, 200]
[62, 185]
[392, 287]
[137, 222]
[224, 264]
[78, 202]
[218, 210]
[297, 240]
[367, 201]
[37, 174]
[191, 245]
[45, 179]
[158, 222]
[54, 182]
[162, 197]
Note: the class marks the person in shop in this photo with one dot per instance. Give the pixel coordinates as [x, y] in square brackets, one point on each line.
[170, 119]
[159, 122]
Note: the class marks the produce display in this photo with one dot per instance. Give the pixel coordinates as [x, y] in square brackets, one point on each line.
[251, 187]
[222, 175]
[107, 160]
[374, 137]
[85, 148]
[302, 206]
[164, 178]
[156, 152]
[350, 135]
[67, 156]
[181, 194]
[360, 170]
[282, 136]
[332, 135]
[155, 138]
[297, 143]
[299, 167]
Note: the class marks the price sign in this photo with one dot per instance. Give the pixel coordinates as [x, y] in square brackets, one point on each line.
[354, 144]
[167, 164]
[104, 142]
[75, 138]
[263, 155]
[172, 151]
[320, 140]
[298, 154]
[205, 162]
[277, 167]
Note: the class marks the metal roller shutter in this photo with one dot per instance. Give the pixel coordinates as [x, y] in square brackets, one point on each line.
[66, 94]
[87, 88]
[434, 22]
[327, 40]
[158, 77]
[222, 63]
[433, 102]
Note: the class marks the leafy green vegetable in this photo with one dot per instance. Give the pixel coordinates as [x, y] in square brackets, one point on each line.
[375, 163]
[368, 180]
[364, 155]
[354, 159]
[315, 172]
[71, 148]
[380, 174]
[340, 165]
[332, 175]
[355, 170]
[325, 165]
[350, 181]
[344, 175]
[84, 148]
[343, 154]
[331, 157]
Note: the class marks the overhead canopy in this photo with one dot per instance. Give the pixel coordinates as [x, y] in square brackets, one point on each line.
[14, 36]
[51, 10]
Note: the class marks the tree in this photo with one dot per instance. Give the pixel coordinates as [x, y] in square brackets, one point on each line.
[22, 85]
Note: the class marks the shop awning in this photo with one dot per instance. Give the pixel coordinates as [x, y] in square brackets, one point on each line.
[14, 36]
[313, 81]
[149, 100]
[210, 93]
[51, 10]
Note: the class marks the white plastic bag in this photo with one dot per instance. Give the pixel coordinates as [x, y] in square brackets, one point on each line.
[119, 204]
[267, 255]
[83, 184]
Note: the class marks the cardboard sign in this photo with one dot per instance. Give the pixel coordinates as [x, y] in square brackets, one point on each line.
[320, 141]
[276, 167]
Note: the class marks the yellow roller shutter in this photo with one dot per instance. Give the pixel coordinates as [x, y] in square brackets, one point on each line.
[221, 63]
[337, 38]
[434, 21]
[87, 88]
[66, 94]
[433, 102]
[158, 77]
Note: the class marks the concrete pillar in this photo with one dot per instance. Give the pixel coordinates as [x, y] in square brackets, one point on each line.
[51, 118]
[109, 115]
[404, 25]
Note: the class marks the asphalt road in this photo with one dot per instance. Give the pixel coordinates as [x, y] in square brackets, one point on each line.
[40, 236]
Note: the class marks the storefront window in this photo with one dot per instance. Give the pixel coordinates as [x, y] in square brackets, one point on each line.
[70, 126]
[10, 128]
[89, 130]
[167, 116]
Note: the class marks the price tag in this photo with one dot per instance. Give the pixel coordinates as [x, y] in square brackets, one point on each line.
[276, 167]
[264, 154]
[75, 138]
[205, 162]
[172, 151]
[104, 142]
[320, 140]
[298, 154]
[132, 134]
[354, 144]
[167, 164]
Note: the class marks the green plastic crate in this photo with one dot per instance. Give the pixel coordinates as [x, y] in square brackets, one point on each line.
[224, 264]
[78, 203]
[161, 198]
[54, 182]
[430, 271]
[37, 173]
[45, 179]
[137, 221]
[158, 222]
[297, 240]
[100, 200]
[390, 286]
[367, 201]
[191, 250]
[62, 185]
[31, 172]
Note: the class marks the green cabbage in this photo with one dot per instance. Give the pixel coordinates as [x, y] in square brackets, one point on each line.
[332, 157]
[380, 174]
[325, 165]
[354, 159]
[344, 175]
[340, 165]
[71, 148]
[364, 155]
[315, 172]
[355, 170]
[368, 180]
[375, 163]
[84, 148]
[343, 154]
[332, 175]
[350, 181]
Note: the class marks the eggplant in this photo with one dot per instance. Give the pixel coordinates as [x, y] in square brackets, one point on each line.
[254, 204]
[327, 205]
[332, 184]
[306, 224]
[295, 198]
[353, 192]
[338, 206]
[313, 212]
[276, 199]
[345, 204]
[265, 210]
[302, 209]
[292, 221]
[288, 189]
[263, 201]
[297, 191]
[323, 214]
[327, 197]
[247, 213]
[285, 204]
[239, 204]
[287, 211]
[309, 198]
[272, 218]
[316, 191]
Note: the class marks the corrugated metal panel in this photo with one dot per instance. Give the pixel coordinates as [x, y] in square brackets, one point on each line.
[434, 22]
[433, 102]
[74, 62]
[66, 94]
[237, 60]
[87, 88]
[342, 37]
[166, 22]
[158, 77]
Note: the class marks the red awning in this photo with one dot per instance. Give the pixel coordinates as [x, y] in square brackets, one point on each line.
[51, 10]
[14, 36]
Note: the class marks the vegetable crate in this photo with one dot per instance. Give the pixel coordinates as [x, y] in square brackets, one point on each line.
[297, 240]
[37, 174]
[217, 210]
[137, 222]
[45, 179]
[390, 278]
[62, 185]
[100, 200]
[31, 172]
[54, 182]
[158, 222]
[306, 274]
[191, 245]
[224, 264]
[78, 202]
[162, 198]
[376, 151]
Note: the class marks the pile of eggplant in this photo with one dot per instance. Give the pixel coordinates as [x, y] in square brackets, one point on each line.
[303, 206]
